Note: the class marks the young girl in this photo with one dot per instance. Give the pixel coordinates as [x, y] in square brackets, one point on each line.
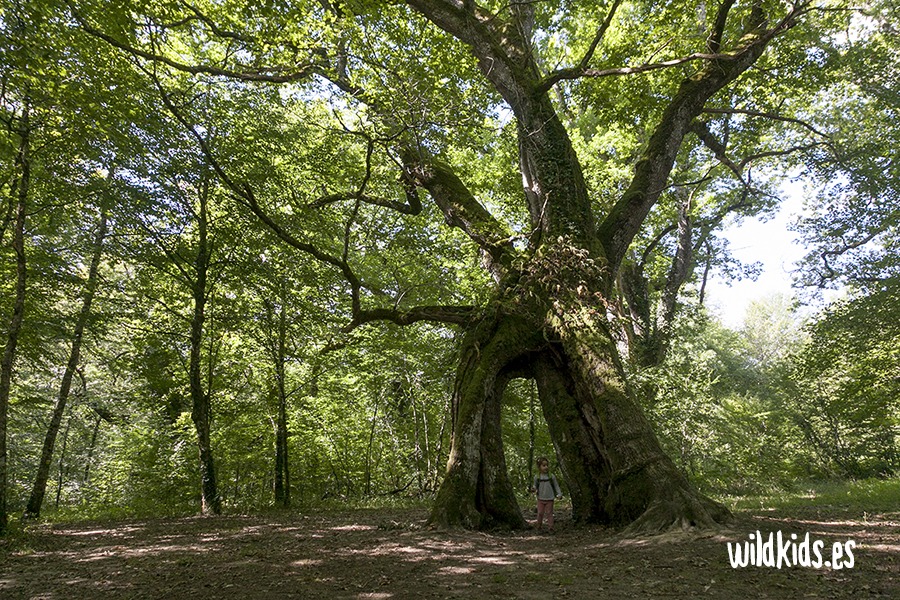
[547, 488]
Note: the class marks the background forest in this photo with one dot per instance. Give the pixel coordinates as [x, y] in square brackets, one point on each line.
[137, 284]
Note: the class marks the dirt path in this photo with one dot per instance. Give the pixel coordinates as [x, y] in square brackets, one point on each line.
[385, 554]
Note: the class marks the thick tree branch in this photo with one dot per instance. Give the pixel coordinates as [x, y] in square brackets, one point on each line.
[460, 207]
[553, 183]
[715, 38]
[653, 169]
[504, 56]
[701, 130]
[645, 255]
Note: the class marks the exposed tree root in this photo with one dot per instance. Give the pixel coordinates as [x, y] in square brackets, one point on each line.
[682, 510]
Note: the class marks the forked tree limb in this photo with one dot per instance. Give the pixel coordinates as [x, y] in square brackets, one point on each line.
[270, 75]
[243, 193]
[459, 205]
[652, 171]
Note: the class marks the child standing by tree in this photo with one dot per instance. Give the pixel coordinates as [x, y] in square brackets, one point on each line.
[547, 488]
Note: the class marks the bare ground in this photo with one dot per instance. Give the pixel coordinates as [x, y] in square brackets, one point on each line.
[387, 554]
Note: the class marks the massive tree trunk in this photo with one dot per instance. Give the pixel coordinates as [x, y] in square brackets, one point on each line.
[23, 165]
[476, 492]
[33, 510]
[552, 315]
[552, 325]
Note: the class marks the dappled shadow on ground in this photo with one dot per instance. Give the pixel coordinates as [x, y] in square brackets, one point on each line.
[386, 554]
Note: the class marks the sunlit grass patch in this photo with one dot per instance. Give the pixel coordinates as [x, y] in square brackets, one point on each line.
[866, 494]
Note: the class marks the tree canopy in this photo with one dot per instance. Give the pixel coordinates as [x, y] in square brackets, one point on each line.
[536, 188]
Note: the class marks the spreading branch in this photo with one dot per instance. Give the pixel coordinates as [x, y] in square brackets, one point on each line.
[701, 130]
[412, 206]
[715, 37]
[259, 74]
[573, 73]
[451, 195]
[653, 169]
[581, 73]
[765, 115]
[460, 207]
[504, 55]
[244, 194]
[217, 31]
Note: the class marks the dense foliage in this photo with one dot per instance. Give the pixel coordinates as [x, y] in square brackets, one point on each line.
[263, 242]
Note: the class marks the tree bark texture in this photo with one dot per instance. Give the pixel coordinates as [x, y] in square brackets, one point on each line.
[551, 325]
[23, 164]
[38, 490]
[476, 491]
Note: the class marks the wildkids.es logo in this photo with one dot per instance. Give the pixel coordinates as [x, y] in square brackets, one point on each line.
[790, 551]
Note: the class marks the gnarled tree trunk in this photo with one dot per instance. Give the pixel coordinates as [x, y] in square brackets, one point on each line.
[552, 314]
[476, 492]
[552, 326]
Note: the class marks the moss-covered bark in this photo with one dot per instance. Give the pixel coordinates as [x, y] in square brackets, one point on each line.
[476, 492]
[555, 322]
[552, 327]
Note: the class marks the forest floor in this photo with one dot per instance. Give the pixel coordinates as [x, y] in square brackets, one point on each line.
[387, 553]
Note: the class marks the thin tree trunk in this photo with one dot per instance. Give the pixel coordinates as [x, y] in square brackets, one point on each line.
[62, 463]
[706, 269]
[428, 462]
[417, 447]
[531, 432]
[211, 501]
[282, 471]
[23, 162]
[33, 510]
[90, 455]
[420, 457]
[10, 209]
[435, 476]
[369, 450]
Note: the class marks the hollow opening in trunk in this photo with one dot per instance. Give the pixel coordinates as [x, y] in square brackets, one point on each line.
[526, 436]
